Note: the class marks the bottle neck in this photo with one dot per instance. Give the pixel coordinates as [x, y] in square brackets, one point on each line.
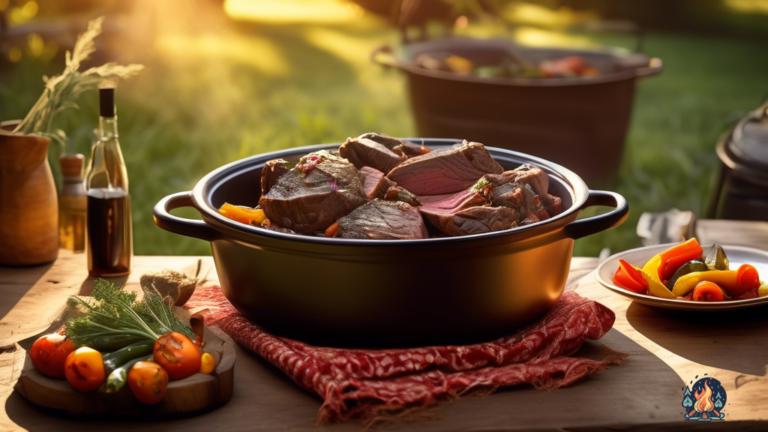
[108, 128]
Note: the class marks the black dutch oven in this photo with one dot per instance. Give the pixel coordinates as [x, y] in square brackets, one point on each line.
[741, 191]
[386, 293]
[581, 122]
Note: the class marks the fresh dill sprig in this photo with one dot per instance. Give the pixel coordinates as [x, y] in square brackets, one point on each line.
[111, 311]
[61, 90]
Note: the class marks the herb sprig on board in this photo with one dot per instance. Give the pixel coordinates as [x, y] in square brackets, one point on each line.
[114, 312]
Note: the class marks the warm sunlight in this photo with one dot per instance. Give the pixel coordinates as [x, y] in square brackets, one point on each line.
[293, 11]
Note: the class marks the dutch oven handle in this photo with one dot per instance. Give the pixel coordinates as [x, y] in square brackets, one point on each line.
[385, 56]
[585, 227]
[175, 224]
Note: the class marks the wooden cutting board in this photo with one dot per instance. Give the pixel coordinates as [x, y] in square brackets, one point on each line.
[193, 395]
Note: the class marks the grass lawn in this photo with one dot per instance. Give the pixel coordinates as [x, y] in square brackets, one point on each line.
[209, 99]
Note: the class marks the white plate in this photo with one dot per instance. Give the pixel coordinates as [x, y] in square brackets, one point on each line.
[737, 256]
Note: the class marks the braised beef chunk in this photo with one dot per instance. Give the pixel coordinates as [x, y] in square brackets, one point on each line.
[514, 195]
[451, 203]
[375, 183]
[396, 145]
[445, 171]
[553, 205]
[526, 174]
[271, 172]
[364, 151]
[440, 210]
[383, 220]
[314, 194]
[474, 220]
[396, 193]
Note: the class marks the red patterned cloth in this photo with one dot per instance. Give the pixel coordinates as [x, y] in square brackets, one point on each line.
[361, 382]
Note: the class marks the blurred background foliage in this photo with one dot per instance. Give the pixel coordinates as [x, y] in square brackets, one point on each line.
[229, 79]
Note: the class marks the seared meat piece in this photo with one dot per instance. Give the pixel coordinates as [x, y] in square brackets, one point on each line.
[374, 182]
[364, 151]
[396, 145]
[383, 220]
[474, 220]
[451, 203]
[516, 196]
[445, 171]
[396, 193]
[271, 172]
[440, 210]
[314, 194]
[528, 174]
[553, 205]
[273, 227]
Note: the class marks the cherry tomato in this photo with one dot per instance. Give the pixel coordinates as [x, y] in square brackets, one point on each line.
[84, 369]
[178, 355]
[148, 382]
[207, 363]
[49, 353]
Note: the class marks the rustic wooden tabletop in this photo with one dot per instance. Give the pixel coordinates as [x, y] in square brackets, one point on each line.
[666, 351]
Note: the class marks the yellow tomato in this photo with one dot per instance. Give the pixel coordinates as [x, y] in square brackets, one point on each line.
[84, 369]
[207, 363]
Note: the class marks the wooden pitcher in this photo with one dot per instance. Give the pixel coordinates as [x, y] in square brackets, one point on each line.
[28, 203]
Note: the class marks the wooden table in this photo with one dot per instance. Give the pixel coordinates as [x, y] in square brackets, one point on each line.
[666, 350]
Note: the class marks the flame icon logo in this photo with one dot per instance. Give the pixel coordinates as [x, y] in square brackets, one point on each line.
[705, 400]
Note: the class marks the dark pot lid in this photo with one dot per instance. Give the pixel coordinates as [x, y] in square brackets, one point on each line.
[748, 145]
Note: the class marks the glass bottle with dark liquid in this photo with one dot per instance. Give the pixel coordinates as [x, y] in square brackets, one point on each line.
[109, 240]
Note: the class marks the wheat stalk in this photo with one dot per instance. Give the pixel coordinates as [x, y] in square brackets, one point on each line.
[61, 90]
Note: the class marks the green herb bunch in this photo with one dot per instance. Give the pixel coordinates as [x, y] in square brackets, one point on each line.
[114, 312]
[61, 90]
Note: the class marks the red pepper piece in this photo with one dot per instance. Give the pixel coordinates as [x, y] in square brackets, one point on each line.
[707, 292]
[674, 258]
[747, 279]
[629, 277]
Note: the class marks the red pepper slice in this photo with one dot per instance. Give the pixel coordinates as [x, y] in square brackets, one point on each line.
[747, 279]
[674, 258]
[707, 292]
[629, 277]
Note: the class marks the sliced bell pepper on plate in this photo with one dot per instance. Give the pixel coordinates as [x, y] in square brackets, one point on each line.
[734, 282]
[707, 292]
[630, 277]
[657, 288]
[674, 258]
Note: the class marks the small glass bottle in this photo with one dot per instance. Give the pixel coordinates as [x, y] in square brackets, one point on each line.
[72, 203]
[109, 227]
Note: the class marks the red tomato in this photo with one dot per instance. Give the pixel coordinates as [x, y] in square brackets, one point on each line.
[49, 354]
[84, 369]
[178, 355]
[148, 382]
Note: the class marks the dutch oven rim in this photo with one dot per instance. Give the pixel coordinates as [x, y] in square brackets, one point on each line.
[654, 67]
[214, 226]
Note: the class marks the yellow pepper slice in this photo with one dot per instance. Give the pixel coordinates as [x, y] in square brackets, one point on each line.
[655, 287]
[652, 268]
[763, 290]
[724, 278]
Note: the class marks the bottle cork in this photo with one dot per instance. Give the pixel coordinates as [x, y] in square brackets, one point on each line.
[72, 164]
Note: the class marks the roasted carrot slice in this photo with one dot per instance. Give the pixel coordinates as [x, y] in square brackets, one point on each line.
[244, 215]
